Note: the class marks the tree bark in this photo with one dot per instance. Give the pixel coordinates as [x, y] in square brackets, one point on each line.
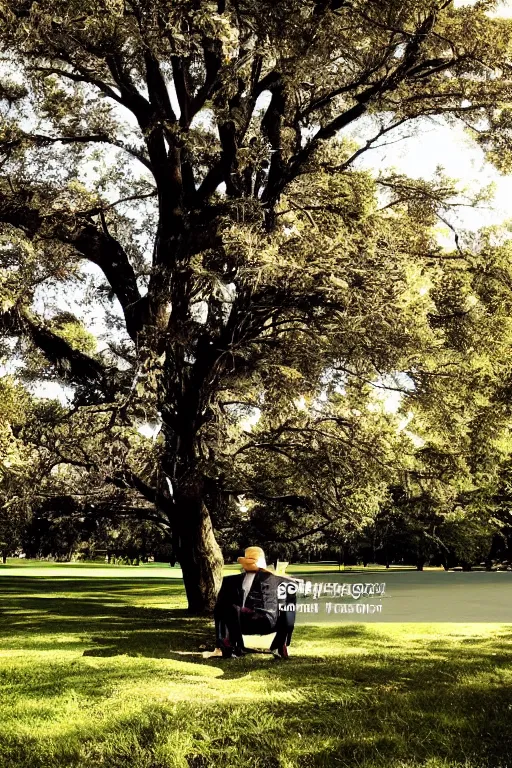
[199, 554]
[183, 499]
[183, 483]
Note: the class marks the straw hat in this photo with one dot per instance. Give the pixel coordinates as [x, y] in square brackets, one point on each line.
[254, 559]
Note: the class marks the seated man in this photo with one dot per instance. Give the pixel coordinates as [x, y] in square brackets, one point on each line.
[249, 604]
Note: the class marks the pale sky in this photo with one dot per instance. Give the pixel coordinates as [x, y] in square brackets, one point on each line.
[434, 144]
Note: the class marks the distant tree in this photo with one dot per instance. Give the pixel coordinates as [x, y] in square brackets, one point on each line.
[15, 481]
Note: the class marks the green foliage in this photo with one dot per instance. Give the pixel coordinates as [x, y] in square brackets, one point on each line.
[15, 461]
[68, 327]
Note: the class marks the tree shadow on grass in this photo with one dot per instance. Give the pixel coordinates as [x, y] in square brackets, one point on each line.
[364, 701]
[181, 636]
[99, 611]
[177, 634]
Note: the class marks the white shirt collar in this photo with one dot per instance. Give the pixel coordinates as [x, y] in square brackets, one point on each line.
[247, 584]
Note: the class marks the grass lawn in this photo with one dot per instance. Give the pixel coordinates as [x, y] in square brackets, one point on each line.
[101, 667]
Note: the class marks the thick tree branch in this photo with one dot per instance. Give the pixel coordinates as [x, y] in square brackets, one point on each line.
[90, 505]
[271, 127]
[235, 130]
[91, 242]
[157, 88]
[181, 78]
[71, 364]
[130, 97]
[388, 83]
[212, 51]
[128, 479]
[99, 247]
[83, 76]
[40, 140]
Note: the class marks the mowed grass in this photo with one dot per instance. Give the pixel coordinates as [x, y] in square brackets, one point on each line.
[103, 667]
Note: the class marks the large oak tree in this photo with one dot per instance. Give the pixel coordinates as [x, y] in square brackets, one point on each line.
[191, 151]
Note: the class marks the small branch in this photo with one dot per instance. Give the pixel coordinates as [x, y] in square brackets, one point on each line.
[84, 77]
[107, 206]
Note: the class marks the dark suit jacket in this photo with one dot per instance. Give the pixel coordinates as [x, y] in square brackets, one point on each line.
[262, 598]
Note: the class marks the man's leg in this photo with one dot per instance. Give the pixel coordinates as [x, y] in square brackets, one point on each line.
[228, 631]
[284, 630]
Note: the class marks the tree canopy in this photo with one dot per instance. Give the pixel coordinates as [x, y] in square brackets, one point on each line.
[182, 171]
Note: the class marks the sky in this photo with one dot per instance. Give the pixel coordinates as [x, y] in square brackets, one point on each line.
[433, 143]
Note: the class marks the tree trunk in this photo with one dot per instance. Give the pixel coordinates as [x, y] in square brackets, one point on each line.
[4, 558]
[193, 541]
[200, 556]
[187, 490]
